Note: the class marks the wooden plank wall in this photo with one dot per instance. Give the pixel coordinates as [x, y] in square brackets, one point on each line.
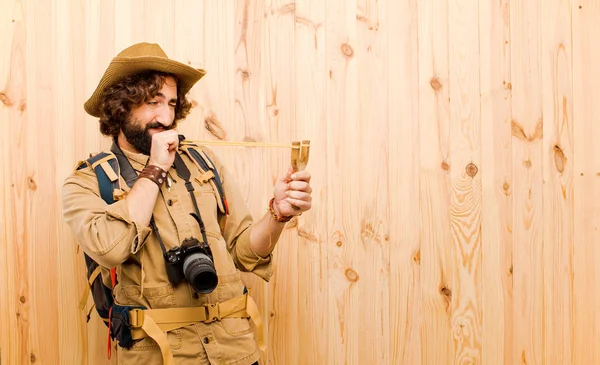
[454, 159]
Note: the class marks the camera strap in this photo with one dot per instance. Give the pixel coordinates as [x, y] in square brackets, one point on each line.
[184, 173]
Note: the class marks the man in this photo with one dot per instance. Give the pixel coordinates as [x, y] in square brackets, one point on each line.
[139, 101]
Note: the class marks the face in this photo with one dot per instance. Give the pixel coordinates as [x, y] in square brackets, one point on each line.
[153, 116]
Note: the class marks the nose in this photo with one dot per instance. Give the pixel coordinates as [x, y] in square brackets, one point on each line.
[165, 115]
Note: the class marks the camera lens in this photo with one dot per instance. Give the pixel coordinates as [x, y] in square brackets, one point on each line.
[200, 272]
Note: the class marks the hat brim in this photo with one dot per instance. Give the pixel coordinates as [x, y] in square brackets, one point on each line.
[120, 68]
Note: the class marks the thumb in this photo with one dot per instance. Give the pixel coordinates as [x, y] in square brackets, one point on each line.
[288, 175]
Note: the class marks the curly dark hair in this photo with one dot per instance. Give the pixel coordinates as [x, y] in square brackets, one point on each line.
[117, 100]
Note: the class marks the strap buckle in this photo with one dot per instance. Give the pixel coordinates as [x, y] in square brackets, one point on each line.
[136, 318]
[212, 313]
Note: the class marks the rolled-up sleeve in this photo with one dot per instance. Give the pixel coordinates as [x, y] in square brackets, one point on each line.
[238, 225]
[105, 232]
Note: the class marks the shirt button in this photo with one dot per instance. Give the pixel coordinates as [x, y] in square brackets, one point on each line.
[170, 202]
[206, 340]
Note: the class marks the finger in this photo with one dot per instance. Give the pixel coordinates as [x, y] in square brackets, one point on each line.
[300, 186]
[299, 195]
[288, 174]
[301, 176]
[302, 204]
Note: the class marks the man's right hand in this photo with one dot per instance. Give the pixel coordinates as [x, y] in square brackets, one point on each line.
[164, 147]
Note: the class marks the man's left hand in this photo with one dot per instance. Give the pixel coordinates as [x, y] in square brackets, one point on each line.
[292, 193]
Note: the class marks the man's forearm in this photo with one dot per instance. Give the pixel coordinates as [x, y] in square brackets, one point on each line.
[265, 235]
[141, 200]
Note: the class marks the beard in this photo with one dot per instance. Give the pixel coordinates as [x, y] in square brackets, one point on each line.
[138, 136]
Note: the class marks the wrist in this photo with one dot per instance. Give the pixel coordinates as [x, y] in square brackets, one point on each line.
[275, 215]
[162, 166]
[155, 174]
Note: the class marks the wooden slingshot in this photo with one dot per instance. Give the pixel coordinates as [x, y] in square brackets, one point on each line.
[298, 158]
[300, 151]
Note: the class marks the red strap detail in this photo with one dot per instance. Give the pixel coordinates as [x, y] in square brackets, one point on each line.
[109, 348]
[226, 205]
[113, 280]
[113, 277]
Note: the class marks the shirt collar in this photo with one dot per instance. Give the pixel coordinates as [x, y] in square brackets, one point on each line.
[138, 160]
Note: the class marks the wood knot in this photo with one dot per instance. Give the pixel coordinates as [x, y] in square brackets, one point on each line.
[338, 243]
[435, 83]
[506, 188]
[214, 126]
[272, 314]
[559, 159]
[5, 99]
[472, 169]
[347, 50]
[445, 166]
[22, 299]
[309, 236]
[527, 163]
[417, 257]
[245, 75]
[32, 358]
[446, 292]
[509, 86]
[31, 185]
[352, 275]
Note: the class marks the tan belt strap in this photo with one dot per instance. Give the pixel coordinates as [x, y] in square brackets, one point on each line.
[254, 313]
[154, 332]
[154, 323]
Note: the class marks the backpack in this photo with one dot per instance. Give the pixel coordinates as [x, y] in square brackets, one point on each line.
[107, 167]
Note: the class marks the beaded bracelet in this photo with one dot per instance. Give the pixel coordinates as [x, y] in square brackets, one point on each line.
[155, 174]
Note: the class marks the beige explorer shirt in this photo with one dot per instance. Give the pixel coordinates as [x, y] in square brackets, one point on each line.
[108, 236]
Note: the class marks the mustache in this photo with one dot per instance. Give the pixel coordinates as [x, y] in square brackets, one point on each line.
[158, 125]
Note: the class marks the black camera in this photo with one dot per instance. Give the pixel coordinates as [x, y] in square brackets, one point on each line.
[193, 261]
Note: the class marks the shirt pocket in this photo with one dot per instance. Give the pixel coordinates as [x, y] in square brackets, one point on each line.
[156, 297]
[207, 204]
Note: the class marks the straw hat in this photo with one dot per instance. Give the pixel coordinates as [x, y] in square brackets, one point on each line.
[137, 58]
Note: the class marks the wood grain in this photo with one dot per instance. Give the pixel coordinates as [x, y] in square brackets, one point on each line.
[496, 183]
[527, 134]
[586, 199]
[465, 162]
[16, 328]
[437, 251]
[372, 247]
[558, 175]
[342, 202]
[403, 183]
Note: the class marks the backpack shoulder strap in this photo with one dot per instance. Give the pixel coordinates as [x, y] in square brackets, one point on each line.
[205, 164]
[106, 167]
